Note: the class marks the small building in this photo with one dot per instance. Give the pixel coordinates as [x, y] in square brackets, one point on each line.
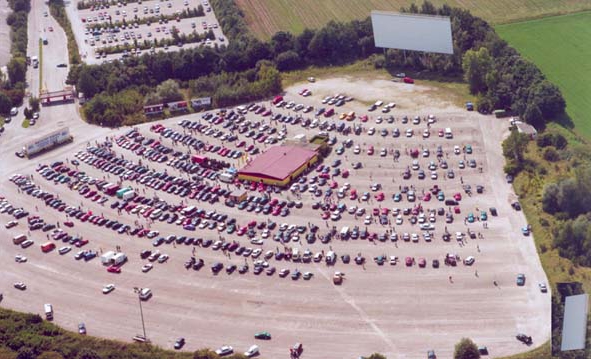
[526, 128]
[237, 196]
[279, 165]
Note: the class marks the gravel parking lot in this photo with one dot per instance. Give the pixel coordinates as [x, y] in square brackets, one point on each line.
[399, 310]
[91, 44]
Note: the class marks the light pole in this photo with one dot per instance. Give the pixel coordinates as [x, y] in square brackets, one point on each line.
[138, 291]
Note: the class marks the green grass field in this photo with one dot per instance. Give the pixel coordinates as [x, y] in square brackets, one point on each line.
[265, 17]
[559, 46]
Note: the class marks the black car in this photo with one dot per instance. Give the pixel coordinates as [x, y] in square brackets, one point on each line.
[62, 65]
[526, 339]
[179, 343]
[346, 258]
[516, 206]
[216, 267]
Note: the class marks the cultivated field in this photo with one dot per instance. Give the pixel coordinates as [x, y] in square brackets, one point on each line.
[399, 310]
[554, 45]
[267, 17]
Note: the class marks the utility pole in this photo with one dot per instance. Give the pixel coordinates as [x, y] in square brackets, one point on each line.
[138, 291]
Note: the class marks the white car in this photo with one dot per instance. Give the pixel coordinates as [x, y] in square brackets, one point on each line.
[371, 131]
[108, 288]
[469, 260]
[147, 267]
[256, 252]
[543, 287]
[367, 220]
[11, 224]
[393, 260]
[409, 132]
[399, 220]
[64, 250]
[415, 237]
[252, 351]
[256, 241]
[224, 350]
[163, 258]
[20, 258]
[357, 150]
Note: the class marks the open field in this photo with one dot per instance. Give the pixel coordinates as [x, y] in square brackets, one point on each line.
[267, 17]
[386, 308]
[554, 45]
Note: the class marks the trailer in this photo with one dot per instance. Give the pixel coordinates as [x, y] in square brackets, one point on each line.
[47, 142]
[119, 259]
[128, 195]
[107, 257]
[122, 191]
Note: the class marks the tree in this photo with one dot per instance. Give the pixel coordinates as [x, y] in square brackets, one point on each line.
[466, 349]
[169, 91]
[515, 145]
[548, 98]
[377, 356]
[17, 69]
[533, 115]
[34, 103]
[550, 199]
[5, 104]
[288, 60]
[476, 65]
[87, 84]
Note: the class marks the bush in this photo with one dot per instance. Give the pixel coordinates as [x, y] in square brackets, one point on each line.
[466, 349]
[550, 154]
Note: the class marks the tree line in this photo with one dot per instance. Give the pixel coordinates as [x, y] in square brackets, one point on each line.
[494, 70]
[12, 84]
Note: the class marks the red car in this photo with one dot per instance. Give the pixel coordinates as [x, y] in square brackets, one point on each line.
[114, 269]
[458, 196]
[422, 262]
[370, 150]
[409, 261]
[380, 196]
[81, 243]
[69, 224]
[408, 80]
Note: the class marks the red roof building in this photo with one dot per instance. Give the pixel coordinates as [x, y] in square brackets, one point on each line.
[279, 165]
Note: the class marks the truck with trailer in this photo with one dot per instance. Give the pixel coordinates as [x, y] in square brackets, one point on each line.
[47, 142]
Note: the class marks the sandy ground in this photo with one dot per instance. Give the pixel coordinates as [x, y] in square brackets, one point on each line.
[4, 33]
[88, 52]
[399, 311]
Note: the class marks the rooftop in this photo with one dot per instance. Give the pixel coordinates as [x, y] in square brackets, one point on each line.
[279, 161]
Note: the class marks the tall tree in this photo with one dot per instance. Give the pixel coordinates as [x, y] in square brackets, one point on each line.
[17, 69]
[514, 146]
[466, 349]
[477, 64]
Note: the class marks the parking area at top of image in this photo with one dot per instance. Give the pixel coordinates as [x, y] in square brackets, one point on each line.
[167, 20]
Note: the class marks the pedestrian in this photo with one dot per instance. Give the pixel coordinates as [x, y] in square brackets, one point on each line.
[450, 280]
[476, 273]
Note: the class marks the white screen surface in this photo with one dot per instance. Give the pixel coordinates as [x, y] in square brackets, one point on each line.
[412, 32]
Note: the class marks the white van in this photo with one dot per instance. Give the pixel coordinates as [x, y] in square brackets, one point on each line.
[344, 232]
[48, 311]
[13, 111]
[448, 133]
[295, 255]
[379, 103]
[145, 293]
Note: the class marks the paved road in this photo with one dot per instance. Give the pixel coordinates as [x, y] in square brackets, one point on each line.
[4, 33]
